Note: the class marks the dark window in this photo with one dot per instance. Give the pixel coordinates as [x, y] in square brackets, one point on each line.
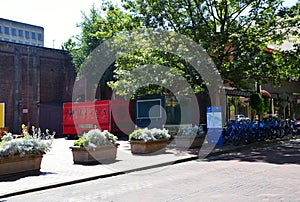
[6, 30]
[40, 37]
[0, 29]
[20, 33]
[27, 34]
[32, 35]
[13, 31]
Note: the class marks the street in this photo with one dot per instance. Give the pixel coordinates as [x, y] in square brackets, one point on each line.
[262, 174]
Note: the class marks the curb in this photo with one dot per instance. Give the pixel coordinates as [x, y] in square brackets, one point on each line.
[212, 154]
[97, 177]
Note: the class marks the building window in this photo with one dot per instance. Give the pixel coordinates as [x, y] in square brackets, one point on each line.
[40, 37]
[26, 34]
[13, 41]
[6, 39]
[20, 33]
[6, 30]
[32, 35]
[13, 31]
[0, 30]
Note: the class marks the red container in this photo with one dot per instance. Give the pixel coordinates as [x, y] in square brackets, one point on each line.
[111, 115]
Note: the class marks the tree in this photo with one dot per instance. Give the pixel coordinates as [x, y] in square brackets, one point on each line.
[98, 26]
[235, 33]
[260, 102]
[155, 59]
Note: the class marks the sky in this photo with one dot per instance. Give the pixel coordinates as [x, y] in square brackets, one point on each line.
[58, 17]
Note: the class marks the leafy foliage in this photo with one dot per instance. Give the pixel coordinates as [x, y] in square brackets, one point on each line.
[191, 131]
[235, 33]
[95, 138]
[260, 103]
[257, 103]
[38, 143]
[152, 134]
[98, 26]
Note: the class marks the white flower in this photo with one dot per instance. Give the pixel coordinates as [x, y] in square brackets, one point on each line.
[190, 131]
[146, 134]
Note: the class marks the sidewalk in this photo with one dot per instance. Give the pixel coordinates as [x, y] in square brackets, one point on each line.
[57, 167]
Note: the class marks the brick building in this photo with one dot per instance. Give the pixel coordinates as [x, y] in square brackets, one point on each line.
[35, 81]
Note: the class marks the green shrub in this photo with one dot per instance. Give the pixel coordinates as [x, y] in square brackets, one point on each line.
[95, 138]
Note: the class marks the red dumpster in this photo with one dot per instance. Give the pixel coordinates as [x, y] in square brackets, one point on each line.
[111, 115]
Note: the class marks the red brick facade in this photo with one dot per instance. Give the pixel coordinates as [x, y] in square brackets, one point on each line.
[32, 76]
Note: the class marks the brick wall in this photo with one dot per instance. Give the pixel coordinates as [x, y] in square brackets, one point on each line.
[31, 76]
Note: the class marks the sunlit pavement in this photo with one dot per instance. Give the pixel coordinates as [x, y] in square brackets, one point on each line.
[57, 167]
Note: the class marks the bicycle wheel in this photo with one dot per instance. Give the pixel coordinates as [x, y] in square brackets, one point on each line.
[236, 139]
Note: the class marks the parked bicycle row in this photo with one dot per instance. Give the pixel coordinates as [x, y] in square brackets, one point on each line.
[246, 132]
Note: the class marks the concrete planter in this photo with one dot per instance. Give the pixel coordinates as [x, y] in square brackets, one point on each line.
[17, 164]
[189, 141]
[142, 147]
[106, 153]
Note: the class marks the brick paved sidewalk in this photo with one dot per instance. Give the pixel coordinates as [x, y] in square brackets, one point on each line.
[57, 167]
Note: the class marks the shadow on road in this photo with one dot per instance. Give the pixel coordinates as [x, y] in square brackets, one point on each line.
[285, 153]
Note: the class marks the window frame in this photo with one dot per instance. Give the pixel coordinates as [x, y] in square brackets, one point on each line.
[13, 31]
[6, 30]
[27, 34]
[20, 33]
[33, 35]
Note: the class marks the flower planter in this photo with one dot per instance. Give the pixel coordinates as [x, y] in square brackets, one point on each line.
[100, 154]
[189, 141]
[16, 164]
[142, 147]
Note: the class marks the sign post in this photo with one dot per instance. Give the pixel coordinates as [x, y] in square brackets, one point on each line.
[214, 125]
[2, 115]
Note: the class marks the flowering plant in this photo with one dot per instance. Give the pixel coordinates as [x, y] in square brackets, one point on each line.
[95, 138]
[146, 134]
[37, 143]
[265, 94]
[191, 131]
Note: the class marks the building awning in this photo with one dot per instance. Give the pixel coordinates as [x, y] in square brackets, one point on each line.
[236, 92]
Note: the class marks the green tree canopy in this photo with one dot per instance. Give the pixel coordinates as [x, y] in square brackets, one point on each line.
[235, 33]
[98, 26]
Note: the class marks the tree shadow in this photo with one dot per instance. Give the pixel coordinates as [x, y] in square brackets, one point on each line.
[285, 153]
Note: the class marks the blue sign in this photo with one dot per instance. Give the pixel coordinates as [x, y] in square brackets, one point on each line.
[214, 117]
[214, 125]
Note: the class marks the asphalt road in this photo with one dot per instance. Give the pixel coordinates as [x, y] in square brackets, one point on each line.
[263, 174]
